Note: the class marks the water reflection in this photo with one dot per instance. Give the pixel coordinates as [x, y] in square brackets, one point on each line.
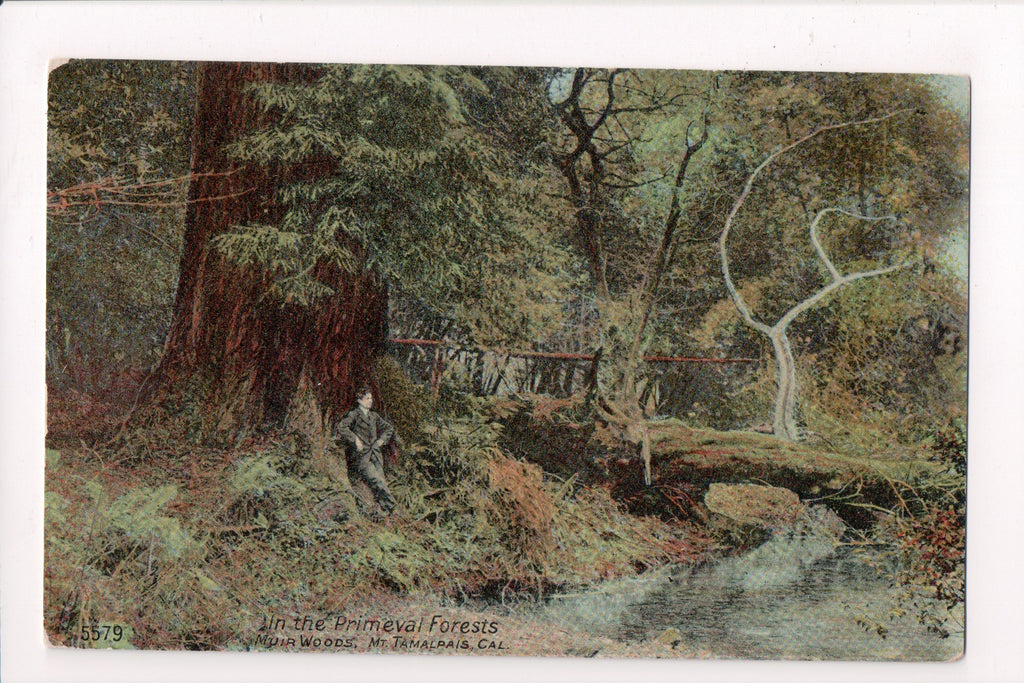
[795, 597]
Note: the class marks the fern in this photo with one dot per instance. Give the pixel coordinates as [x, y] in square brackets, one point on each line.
[136, 515]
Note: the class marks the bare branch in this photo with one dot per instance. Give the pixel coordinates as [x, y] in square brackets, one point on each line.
[791, 315]
[817, 243]
[651, 284]
[609, 105]
[60, 206]
[630, 186]
[723, 239]
[701, 238]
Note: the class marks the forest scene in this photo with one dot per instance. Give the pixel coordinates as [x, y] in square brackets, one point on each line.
[658, 363]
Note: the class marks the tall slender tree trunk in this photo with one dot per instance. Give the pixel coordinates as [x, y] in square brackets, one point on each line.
[784, 420]
[235, 358]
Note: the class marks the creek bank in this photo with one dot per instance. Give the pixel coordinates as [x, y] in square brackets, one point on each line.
[687, 461]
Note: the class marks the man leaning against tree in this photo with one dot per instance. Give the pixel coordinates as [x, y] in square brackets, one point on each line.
[365, 433]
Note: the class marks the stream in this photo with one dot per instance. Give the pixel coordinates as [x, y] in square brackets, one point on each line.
[794, 597]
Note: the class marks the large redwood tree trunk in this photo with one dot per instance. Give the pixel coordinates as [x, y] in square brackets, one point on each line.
[236, 359]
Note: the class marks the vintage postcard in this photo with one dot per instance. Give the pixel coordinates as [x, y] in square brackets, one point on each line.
[518, 361]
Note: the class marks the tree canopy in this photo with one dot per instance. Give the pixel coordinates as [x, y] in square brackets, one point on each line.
[560, 209]
[422, 190]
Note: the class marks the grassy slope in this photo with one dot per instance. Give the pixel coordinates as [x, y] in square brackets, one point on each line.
[192, 546]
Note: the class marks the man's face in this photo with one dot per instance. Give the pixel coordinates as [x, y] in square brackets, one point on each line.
[366, 400]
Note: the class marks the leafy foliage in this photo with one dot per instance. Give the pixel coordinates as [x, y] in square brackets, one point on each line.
[100, 548]
[464, 209]
[420, 192]
[928, 530]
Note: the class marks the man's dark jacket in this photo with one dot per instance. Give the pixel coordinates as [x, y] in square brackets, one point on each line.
[372, 429]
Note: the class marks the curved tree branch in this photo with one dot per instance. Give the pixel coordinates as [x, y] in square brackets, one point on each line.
[784, 421]
[799, 308]
[817, 243]
[723, 239]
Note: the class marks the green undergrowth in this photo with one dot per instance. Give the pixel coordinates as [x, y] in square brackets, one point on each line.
[191, 548]
[186, 547]
[926, 533]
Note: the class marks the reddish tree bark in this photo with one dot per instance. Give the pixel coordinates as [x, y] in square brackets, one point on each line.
[242, 360]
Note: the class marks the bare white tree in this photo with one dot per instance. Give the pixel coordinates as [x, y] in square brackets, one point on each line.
[784, 419]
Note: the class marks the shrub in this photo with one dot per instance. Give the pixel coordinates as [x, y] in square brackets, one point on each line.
[121, 560]
[928, 530]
